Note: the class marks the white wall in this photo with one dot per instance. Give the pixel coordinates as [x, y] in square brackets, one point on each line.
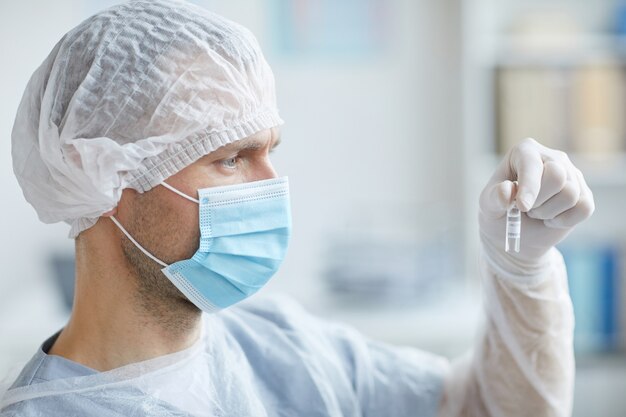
[364, 140]
[30, 308]
[378, 134]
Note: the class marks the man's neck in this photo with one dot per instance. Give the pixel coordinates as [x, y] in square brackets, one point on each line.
[105, 343]
[111, 326]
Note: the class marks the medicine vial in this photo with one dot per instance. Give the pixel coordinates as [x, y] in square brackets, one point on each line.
[513, 229]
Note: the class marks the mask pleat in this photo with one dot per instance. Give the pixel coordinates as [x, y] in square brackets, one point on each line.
[245, 231]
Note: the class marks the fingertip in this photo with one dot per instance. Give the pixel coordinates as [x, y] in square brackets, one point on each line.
[496, 199]
[527, 164]
[525, 200]
[504, 194]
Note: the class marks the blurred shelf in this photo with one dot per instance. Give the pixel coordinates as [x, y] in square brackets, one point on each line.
[600, 385]
[608, 170]
[447, 326]
[560, 51]
[603, 360]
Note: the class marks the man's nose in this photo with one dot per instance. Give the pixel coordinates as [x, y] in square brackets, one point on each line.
[264, 171]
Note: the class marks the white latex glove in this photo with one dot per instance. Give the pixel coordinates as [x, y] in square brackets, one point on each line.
[523, 363]
[552, 196]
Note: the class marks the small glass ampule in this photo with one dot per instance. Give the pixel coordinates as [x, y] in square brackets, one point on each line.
[513, 228]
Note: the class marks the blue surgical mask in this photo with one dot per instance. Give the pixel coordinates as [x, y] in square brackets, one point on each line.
[244, 234]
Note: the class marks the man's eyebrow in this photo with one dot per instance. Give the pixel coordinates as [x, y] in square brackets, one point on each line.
[248, 145]
[252, 145]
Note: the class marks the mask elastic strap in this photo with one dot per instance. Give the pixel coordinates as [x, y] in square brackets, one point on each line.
[148, 254]
[180, 193]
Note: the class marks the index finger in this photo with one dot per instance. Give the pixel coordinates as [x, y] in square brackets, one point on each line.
[527, 164]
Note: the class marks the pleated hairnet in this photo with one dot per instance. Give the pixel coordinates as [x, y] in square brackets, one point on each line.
[131, 96]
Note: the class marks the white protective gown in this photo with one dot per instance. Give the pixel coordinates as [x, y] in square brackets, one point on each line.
[268, 357]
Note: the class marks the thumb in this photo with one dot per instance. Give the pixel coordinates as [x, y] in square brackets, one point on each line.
[496, 199]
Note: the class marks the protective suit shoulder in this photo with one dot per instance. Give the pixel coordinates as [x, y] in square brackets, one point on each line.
[290, 349]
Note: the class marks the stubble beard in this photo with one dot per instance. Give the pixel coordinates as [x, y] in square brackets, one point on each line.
[156, 297]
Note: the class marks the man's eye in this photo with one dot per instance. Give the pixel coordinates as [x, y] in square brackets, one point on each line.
[230, 162]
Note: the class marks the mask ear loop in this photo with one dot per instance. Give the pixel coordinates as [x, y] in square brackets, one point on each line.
[180, 193]
[141, 248]
[148, 254]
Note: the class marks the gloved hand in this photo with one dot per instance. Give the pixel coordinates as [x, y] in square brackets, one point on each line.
[551, 194]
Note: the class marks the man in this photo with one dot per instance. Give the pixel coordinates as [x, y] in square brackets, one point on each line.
[148, 129]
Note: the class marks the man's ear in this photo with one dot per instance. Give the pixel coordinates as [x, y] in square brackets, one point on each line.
[127, 193]
[109, 213]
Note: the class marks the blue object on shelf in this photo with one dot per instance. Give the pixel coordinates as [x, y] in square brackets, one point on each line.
[620, 20]
[594, 282]
[609, 293]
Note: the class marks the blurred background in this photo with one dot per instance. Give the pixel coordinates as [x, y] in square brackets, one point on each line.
[397, 112]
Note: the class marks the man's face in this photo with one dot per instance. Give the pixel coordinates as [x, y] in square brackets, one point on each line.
[166, 224]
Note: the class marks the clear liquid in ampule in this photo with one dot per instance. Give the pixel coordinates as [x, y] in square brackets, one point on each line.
[513, 229]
